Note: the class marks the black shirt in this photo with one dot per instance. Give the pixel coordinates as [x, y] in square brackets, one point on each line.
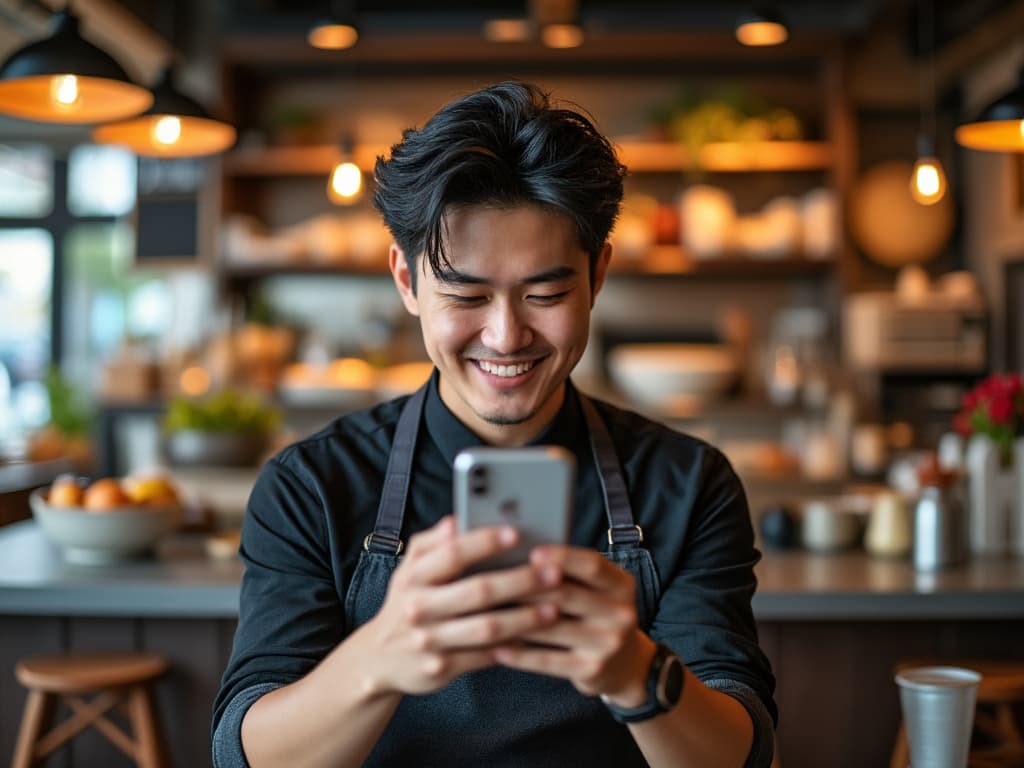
[314, 504]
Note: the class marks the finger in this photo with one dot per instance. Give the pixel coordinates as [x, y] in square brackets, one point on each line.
[447, 559]
[580, 602]
[556, 662]
[483, 630]
[574, 635]
[441, 668]
[429, 538]
[587, 566]
[482, 591]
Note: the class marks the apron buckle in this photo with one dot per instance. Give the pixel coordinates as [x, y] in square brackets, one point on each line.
[611, 534]
[369, 539]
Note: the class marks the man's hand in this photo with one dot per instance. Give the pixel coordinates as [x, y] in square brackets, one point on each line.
[595, 643]
[436, 625]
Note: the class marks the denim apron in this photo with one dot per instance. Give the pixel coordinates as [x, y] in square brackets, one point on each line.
[499, 716]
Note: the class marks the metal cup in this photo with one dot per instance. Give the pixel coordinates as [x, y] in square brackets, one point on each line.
[938, 711]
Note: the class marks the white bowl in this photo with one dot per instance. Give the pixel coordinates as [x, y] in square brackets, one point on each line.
[662, 374]
[94, 537]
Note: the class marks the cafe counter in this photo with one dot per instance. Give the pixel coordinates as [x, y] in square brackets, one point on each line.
[832, 625]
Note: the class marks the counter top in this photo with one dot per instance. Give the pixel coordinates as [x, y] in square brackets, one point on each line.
[181, 581]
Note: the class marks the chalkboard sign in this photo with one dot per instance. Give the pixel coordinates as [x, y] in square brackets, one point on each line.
[172, 210]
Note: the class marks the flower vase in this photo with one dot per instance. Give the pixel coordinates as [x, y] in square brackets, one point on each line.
[994, 498]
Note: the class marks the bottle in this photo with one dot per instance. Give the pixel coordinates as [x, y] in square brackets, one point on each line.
[939, 529]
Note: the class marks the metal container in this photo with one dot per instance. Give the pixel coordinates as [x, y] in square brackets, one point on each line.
[939, 529]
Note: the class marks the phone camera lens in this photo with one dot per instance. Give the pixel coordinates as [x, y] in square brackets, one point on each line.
[479, 473]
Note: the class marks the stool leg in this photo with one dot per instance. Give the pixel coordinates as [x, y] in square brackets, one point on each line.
[36, 718]
[147, 733]
[900, 750]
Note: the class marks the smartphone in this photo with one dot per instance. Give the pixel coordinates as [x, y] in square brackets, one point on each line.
[528, 488]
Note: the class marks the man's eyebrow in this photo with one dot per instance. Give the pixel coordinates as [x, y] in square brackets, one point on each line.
[451, 276]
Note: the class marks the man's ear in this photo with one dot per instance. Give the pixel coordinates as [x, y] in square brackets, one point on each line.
[403, 279]
[600, 270]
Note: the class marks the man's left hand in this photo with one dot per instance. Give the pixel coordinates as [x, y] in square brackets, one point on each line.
[595, 643]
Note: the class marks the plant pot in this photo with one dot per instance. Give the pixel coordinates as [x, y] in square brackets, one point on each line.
[194, 447]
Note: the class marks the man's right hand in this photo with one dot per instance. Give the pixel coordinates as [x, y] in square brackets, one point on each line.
[436, 624]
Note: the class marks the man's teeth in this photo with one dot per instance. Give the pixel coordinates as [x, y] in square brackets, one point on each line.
[505, 370]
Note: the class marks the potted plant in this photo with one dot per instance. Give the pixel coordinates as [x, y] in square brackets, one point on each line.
[230, 429]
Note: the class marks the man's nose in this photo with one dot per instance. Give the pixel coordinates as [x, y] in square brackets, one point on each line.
[506, 330]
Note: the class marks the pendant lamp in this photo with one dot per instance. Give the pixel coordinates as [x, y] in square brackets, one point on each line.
[1000, 127]
[345, 184]
[64, 79]
[928, 179]
[761, 27]
[337, 32]
[175, 126]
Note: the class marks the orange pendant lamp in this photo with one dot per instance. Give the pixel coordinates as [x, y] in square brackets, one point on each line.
[1000, 127]
[175, 126]
[65, 79]
[761, 27]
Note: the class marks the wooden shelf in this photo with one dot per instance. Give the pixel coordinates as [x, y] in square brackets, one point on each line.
[668, 260]
[639, 156]
[662, 261]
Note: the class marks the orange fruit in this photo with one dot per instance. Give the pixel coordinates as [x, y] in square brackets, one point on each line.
[103, 495]
[150, 490]
[65, 492]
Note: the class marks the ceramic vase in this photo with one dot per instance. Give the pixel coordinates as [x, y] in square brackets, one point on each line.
[995, 498]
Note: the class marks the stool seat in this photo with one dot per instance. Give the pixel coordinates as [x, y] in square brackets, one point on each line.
[82, 672]
[1001, 686]
[91, 685]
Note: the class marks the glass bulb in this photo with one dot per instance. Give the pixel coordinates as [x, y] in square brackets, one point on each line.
[64, 90]
[928, 182]
[167, 130]
[762, 33]
[345, 183]
[562, 36]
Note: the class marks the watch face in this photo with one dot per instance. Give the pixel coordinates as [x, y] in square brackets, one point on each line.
[670, 686]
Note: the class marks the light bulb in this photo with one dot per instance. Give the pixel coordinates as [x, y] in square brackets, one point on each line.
[928, 182]
[762, 33]
[333, 37]
[345, 183]
[562, 36]
[167, 130]
[64, 90]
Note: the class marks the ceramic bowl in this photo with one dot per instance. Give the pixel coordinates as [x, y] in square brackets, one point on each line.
[661, 374]
[94, 537]
[200, 448]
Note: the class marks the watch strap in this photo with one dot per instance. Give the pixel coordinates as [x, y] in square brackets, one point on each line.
[655, 705]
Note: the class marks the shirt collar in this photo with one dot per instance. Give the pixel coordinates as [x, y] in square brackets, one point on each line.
[451, 436]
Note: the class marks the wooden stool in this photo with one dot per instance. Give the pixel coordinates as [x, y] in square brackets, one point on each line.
[1001, 686]
[116, 679]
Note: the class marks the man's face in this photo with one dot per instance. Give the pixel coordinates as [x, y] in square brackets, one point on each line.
[507, 323]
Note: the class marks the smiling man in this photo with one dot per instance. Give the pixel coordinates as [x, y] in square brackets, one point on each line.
[634, 645]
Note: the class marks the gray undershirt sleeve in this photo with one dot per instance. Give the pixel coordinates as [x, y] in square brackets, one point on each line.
[227, 738]
[763, 747]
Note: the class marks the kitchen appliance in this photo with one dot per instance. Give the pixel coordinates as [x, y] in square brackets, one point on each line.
[936, 332]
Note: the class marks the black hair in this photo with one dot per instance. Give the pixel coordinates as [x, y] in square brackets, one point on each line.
[502, 146]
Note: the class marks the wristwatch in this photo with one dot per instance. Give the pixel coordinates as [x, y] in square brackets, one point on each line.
[664, 688]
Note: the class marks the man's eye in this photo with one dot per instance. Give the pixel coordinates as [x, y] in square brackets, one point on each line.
[457, 299]
[547, 298]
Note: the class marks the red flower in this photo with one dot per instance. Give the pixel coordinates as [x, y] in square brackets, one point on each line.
[1000, 409]
[962, 424]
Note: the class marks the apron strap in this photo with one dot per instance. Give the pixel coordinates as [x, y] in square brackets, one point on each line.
[623, 532]
[387, 532]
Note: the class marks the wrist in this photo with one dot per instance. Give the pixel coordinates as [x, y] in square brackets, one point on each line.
[666, 677]
[633, 691]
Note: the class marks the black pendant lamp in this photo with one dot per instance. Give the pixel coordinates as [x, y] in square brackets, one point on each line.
[337, 32]
[1000, 127]
[760, 27]
[65, 79]
[175, 126]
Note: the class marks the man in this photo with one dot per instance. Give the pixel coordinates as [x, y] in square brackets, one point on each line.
[635, 645]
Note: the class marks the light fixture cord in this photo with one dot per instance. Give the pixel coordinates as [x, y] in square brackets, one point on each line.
[926, 81]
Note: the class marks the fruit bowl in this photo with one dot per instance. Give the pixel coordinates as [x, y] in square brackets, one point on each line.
[666, 375]
[91, 537]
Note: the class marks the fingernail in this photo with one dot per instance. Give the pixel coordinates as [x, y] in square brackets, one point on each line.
[549, 574]
[539, 555]
[507, 535]
[547, 611]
